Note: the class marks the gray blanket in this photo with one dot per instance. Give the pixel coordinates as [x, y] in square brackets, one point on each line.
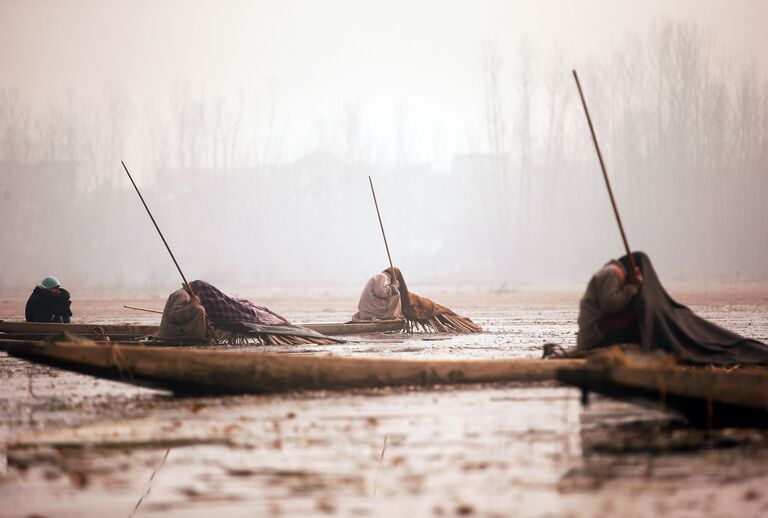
[667, 325]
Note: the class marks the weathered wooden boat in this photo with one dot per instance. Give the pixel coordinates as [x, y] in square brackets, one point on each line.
[204, 371]
[129, 331]
[234, 333]
[357, 328]
[707, 396]
[37, 329]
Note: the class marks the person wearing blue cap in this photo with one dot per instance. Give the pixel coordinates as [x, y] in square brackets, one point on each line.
[49, 302]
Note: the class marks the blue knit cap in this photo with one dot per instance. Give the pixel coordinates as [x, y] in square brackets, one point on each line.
[50, 282]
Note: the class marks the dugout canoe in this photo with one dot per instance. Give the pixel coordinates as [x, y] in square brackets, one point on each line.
[201, 371]
[39, 329]
[706, 396]
[357, 328]
[127, 331]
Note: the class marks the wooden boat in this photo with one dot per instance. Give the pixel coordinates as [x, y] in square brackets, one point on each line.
[114, 331]
[128, 331]
[357, 328]
[204, 371]
[707, 396]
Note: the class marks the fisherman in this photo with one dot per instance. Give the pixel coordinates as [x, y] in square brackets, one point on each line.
[207, 312]
[605, 313]
[386, 296]
[183, 317]
[380, 299]
[49, 302]
[622, 308]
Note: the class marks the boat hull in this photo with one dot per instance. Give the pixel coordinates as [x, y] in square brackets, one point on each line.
[705, 396]
[203, 371]
[128, 331]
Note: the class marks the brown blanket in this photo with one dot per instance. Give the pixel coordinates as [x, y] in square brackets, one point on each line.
[430, 316]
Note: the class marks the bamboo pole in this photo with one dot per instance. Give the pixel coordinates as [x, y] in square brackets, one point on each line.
[145, 309]
[158, 230]
[605, 176]
[386, 245]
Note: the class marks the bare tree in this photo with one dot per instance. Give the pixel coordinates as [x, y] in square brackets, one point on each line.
[495, 123]
[524, 119]
[351, 132]
[15, 128]
[159, 139]
[402, 147]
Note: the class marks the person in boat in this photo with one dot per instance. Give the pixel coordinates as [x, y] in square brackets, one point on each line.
[420, 313]
[49, 302]
[188, 313]
[605, 312]
[215, 315]
[183, 316]
[380, 299]
[655, 320]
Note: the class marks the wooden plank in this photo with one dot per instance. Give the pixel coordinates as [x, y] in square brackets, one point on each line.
[205, 371]
[40, 328]
[128, 330]
[357, 328]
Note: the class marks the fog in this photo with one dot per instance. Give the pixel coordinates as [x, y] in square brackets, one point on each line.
[252, 128]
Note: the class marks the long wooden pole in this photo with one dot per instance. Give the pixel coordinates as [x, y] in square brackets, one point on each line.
[158, 229]
[605, 175]
[376, 203]
[145, 309]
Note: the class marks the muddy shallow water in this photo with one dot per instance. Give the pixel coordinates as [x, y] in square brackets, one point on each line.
[80, 446]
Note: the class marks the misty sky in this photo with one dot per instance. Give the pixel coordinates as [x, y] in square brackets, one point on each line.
[307, 59]
[273, 113]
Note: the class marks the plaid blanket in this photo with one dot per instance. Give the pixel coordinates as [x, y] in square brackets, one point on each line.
[221, 308]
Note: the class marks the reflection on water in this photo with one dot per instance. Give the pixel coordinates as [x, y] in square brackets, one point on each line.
[77, 444]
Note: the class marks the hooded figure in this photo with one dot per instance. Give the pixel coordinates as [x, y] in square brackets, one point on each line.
[605, 314]
[215, 315]
[661, 323]
[49, 302]
[183, 317]
[423, 314]
[380, 299]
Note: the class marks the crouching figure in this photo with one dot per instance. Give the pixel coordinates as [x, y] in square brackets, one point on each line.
[380, 299]
[606, 313]
[49, 302]
[183, 317]
[623, 306]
